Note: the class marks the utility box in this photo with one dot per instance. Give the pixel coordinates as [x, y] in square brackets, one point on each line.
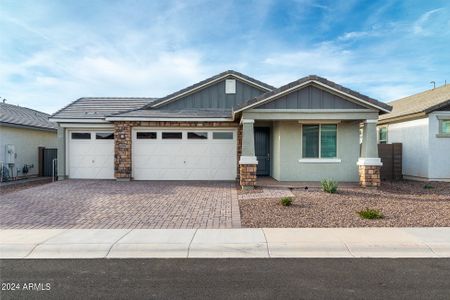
[10, 153]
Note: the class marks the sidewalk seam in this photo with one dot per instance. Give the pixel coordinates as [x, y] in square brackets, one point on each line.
[348, 249]
[43, 242]
[190, 243]
[267, 242]
[110, 248]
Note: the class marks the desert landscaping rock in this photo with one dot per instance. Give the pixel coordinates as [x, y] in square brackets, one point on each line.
[404, 204]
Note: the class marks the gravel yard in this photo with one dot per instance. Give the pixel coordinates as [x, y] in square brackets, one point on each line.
[404, 204]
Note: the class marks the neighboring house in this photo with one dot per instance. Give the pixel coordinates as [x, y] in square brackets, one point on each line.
[226, 127]
[421, 123]
[22, 132]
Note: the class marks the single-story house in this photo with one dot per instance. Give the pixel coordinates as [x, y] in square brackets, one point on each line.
[421, 122]
[23, 132]
[226, 127]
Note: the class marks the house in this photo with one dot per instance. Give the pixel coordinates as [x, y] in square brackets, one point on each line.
[421, 122]
[225, 127]
[23, 132]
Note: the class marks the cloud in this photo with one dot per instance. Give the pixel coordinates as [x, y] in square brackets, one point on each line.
[425, 25]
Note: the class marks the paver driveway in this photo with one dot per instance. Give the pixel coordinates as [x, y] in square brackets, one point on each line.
[111, 204]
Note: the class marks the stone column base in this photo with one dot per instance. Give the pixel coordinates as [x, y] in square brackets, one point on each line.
[369, 176]
[247, 178]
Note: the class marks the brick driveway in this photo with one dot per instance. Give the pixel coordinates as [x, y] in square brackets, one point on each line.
[111, 204]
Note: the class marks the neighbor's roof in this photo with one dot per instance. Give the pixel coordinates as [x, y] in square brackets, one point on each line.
[98, 108]
[322, 80]
[174, 113]
[21, 116]
[210, 80]
[424, 102]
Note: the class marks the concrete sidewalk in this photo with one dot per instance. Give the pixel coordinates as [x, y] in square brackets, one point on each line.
[217, 243]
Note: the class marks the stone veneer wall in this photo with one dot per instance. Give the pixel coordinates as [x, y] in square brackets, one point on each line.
[248, 176]
[369, 176]
[123, 130]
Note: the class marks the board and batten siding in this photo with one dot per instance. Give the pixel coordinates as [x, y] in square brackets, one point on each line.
[214, 96]
[310, 97]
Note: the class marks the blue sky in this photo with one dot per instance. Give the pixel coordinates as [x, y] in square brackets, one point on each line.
[53, 52]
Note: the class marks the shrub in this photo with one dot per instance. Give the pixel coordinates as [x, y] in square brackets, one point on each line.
[329, 186]
[370, 214]
[428, 186]
[286, 201]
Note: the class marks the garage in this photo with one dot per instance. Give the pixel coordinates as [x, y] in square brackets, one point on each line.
[184, 154]
[91, 154]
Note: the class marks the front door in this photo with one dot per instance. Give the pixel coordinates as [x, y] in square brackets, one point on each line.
[262, 150]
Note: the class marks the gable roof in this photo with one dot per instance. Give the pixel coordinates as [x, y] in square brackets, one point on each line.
[421, 103]
[190, 89]
[308, 80]
[99, 107]
[21, 116]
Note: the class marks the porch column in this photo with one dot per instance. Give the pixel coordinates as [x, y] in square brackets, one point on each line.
[247, 161]
[369, 163]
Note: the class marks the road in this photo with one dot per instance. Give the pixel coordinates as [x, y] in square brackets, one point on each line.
[228, 278]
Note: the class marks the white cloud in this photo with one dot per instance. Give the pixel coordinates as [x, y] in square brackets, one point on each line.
[424, 25]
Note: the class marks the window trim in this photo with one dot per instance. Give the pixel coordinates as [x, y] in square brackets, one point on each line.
[320, 159]
[223, 131]
[106, 132]
[197, 139]
[379, 137]
[440, 133]
[172, 139]
[146, 131]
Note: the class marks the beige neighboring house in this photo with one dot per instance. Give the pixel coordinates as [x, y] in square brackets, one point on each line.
[22, 132]
[421, 122]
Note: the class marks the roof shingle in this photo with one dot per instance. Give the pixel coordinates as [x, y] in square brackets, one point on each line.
[423, 102]
[22, 116]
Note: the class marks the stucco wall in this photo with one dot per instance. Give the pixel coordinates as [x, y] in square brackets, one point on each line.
[26, 142]
[287, 150]
[414, 135]
[439, 150]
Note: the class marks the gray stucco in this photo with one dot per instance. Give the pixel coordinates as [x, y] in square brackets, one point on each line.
[310, 97]
[214, 96]
[61, 153]
[286, 140]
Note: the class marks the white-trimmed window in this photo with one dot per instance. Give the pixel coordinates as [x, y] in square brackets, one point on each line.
[444, 127]
[382, 135]
[319, 141]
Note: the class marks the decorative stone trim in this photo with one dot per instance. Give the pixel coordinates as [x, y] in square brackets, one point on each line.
[369, 176]
[123, 140]
[247, 176]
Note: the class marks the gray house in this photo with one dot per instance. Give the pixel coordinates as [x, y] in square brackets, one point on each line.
[226, 127]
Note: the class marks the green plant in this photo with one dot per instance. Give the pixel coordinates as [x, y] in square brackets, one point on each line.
[370, 214]
[428, 186]
[286, 201]
[329, 186]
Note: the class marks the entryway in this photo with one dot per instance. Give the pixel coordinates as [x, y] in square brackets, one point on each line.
[262, 150]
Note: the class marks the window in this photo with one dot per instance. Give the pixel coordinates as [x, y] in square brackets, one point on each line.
[104, 136]
[172, 135]
[319, 141]
[146, 135]
[230, 86]
[222, 135]
[197, 135]
[444, 127]
[382, 135]
[81, 135]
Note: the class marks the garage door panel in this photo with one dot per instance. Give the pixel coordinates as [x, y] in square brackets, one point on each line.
[184, 159]
[91, 158]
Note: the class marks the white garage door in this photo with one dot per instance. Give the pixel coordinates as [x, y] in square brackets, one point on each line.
[91, 154]
[173, 154]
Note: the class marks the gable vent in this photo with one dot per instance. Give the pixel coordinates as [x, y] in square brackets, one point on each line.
[230, 86]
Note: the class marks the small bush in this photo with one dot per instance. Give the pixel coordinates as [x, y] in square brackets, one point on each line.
[286, 201]
[329, 186]
[428, 186]
[370, 214]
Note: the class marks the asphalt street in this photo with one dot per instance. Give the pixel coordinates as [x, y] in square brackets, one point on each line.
[226, 279]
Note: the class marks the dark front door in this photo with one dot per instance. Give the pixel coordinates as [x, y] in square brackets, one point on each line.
[49, 156]
[262, 150]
